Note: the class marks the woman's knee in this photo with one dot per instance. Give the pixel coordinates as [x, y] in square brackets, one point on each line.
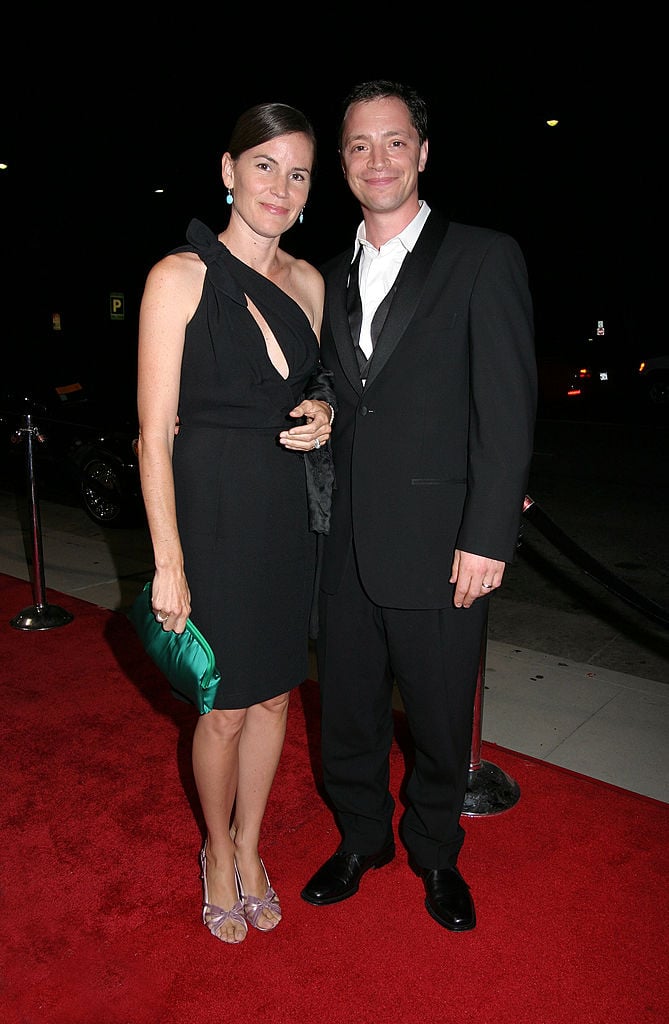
[276, 705]
[223, 724]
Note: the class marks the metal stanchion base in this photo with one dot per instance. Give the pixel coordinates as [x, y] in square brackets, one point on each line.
[41, 616]
[489, 791]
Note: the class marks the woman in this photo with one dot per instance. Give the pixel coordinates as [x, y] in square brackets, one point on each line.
[228, 340]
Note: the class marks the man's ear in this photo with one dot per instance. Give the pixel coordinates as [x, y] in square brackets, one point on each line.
[422, 159]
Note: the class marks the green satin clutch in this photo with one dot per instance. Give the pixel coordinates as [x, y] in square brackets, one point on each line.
[186, 659]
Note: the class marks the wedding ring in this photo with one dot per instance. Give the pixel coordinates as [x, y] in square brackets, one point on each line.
[317, 443]
[487, 586]
[161, 618]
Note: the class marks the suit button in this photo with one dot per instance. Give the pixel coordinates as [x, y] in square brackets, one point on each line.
[364, 410]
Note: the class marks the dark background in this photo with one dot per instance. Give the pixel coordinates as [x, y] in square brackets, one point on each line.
[95, 115]
[99, 116]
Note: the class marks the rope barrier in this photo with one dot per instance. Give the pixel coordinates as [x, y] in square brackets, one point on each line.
[598, 572]
[489, 789]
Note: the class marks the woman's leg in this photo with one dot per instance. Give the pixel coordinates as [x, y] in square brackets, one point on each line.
[260, 747]
[216, 744]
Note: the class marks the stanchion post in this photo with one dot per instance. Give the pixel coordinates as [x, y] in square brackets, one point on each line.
[39, 615]
[489, 789]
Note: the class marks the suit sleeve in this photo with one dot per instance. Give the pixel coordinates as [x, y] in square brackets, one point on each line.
[503, 400]
[320, 386]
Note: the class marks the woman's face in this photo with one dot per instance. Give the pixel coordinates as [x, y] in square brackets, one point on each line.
[271, 182]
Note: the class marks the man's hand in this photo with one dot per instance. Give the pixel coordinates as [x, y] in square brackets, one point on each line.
[474, 577]
[312, 434]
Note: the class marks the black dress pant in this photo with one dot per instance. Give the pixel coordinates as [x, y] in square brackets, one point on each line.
[434, 656]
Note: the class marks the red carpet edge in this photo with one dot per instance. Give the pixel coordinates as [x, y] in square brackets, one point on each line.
[101, 892]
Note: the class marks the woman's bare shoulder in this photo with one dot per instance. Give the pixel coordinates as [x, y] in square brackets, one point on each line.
[178, 265]
[309, 271]
[305, 284]
[181, 273]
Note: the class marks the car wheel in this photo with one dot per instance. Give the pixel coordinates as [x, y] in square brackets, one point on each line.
[658, 389]
[101, 492]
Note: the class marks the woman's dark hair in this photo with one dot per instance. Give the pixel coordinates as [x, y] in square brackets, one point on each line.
[382, 88]
[267, 121]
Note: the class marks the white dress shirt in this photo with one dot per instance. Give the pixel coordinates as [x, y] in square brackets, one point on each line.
[379, 268]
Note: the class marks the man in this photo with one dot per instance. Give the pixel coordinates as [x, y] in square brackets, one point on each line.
[432, 444]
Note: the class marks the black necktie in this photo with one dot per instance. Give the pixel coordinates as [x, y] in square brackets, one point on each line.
[379, 318]
[354, 309]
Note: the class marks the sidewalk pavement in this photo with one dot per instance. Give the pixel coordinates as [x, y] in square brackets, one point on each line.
[592, 720]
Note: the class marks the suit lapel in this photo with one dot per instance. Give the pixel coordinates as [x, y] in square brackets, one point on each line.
[408, 290]
[339, 323]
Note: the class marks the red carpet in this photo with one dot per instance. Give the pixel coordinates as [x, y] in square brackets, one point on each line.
[100, 914]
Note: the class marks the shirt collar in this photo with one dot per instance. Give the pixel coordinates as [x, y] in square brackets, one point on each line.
[408, 236]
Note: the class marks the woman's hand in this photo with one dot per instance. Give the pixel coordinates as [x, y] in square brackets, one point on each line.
[170, 599]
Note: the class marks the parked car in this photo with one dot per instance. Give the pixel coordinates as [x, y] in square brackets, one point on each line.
[587, 375]
[80, 441]
[654, 381]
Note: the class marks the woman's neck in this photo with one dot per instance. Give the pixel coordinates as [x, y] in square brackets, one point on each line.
[257, 252]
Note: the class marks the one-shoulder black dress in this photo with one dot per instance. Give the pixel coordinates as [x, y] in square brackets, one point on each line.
[240, 495]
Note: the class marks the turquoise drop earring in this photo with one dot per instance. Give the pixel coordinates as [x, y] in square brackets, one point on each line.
[229, 200]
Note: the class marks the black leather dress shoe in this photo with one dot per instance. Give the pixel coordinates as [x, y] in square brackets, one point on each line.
[340, 876]
[448, 899]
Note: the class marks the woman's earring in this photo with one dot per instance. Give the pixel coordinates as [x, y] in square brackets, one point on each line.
[301, 217]
[229, 199]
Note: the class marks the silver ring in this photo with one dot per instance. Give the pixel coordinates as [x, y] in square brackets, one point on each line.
[487, 586]
[317, 443]
[161, 618]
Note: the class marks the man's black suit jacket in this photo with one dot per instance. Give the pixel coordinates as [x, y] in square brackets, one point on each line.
[434, 452]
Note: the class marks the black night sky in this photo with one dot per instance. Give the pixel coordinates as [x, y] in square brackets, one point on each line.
[89, 132]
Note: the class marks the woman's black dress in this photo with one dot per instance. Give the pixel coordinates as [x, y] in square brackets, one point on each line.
[241, 496]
